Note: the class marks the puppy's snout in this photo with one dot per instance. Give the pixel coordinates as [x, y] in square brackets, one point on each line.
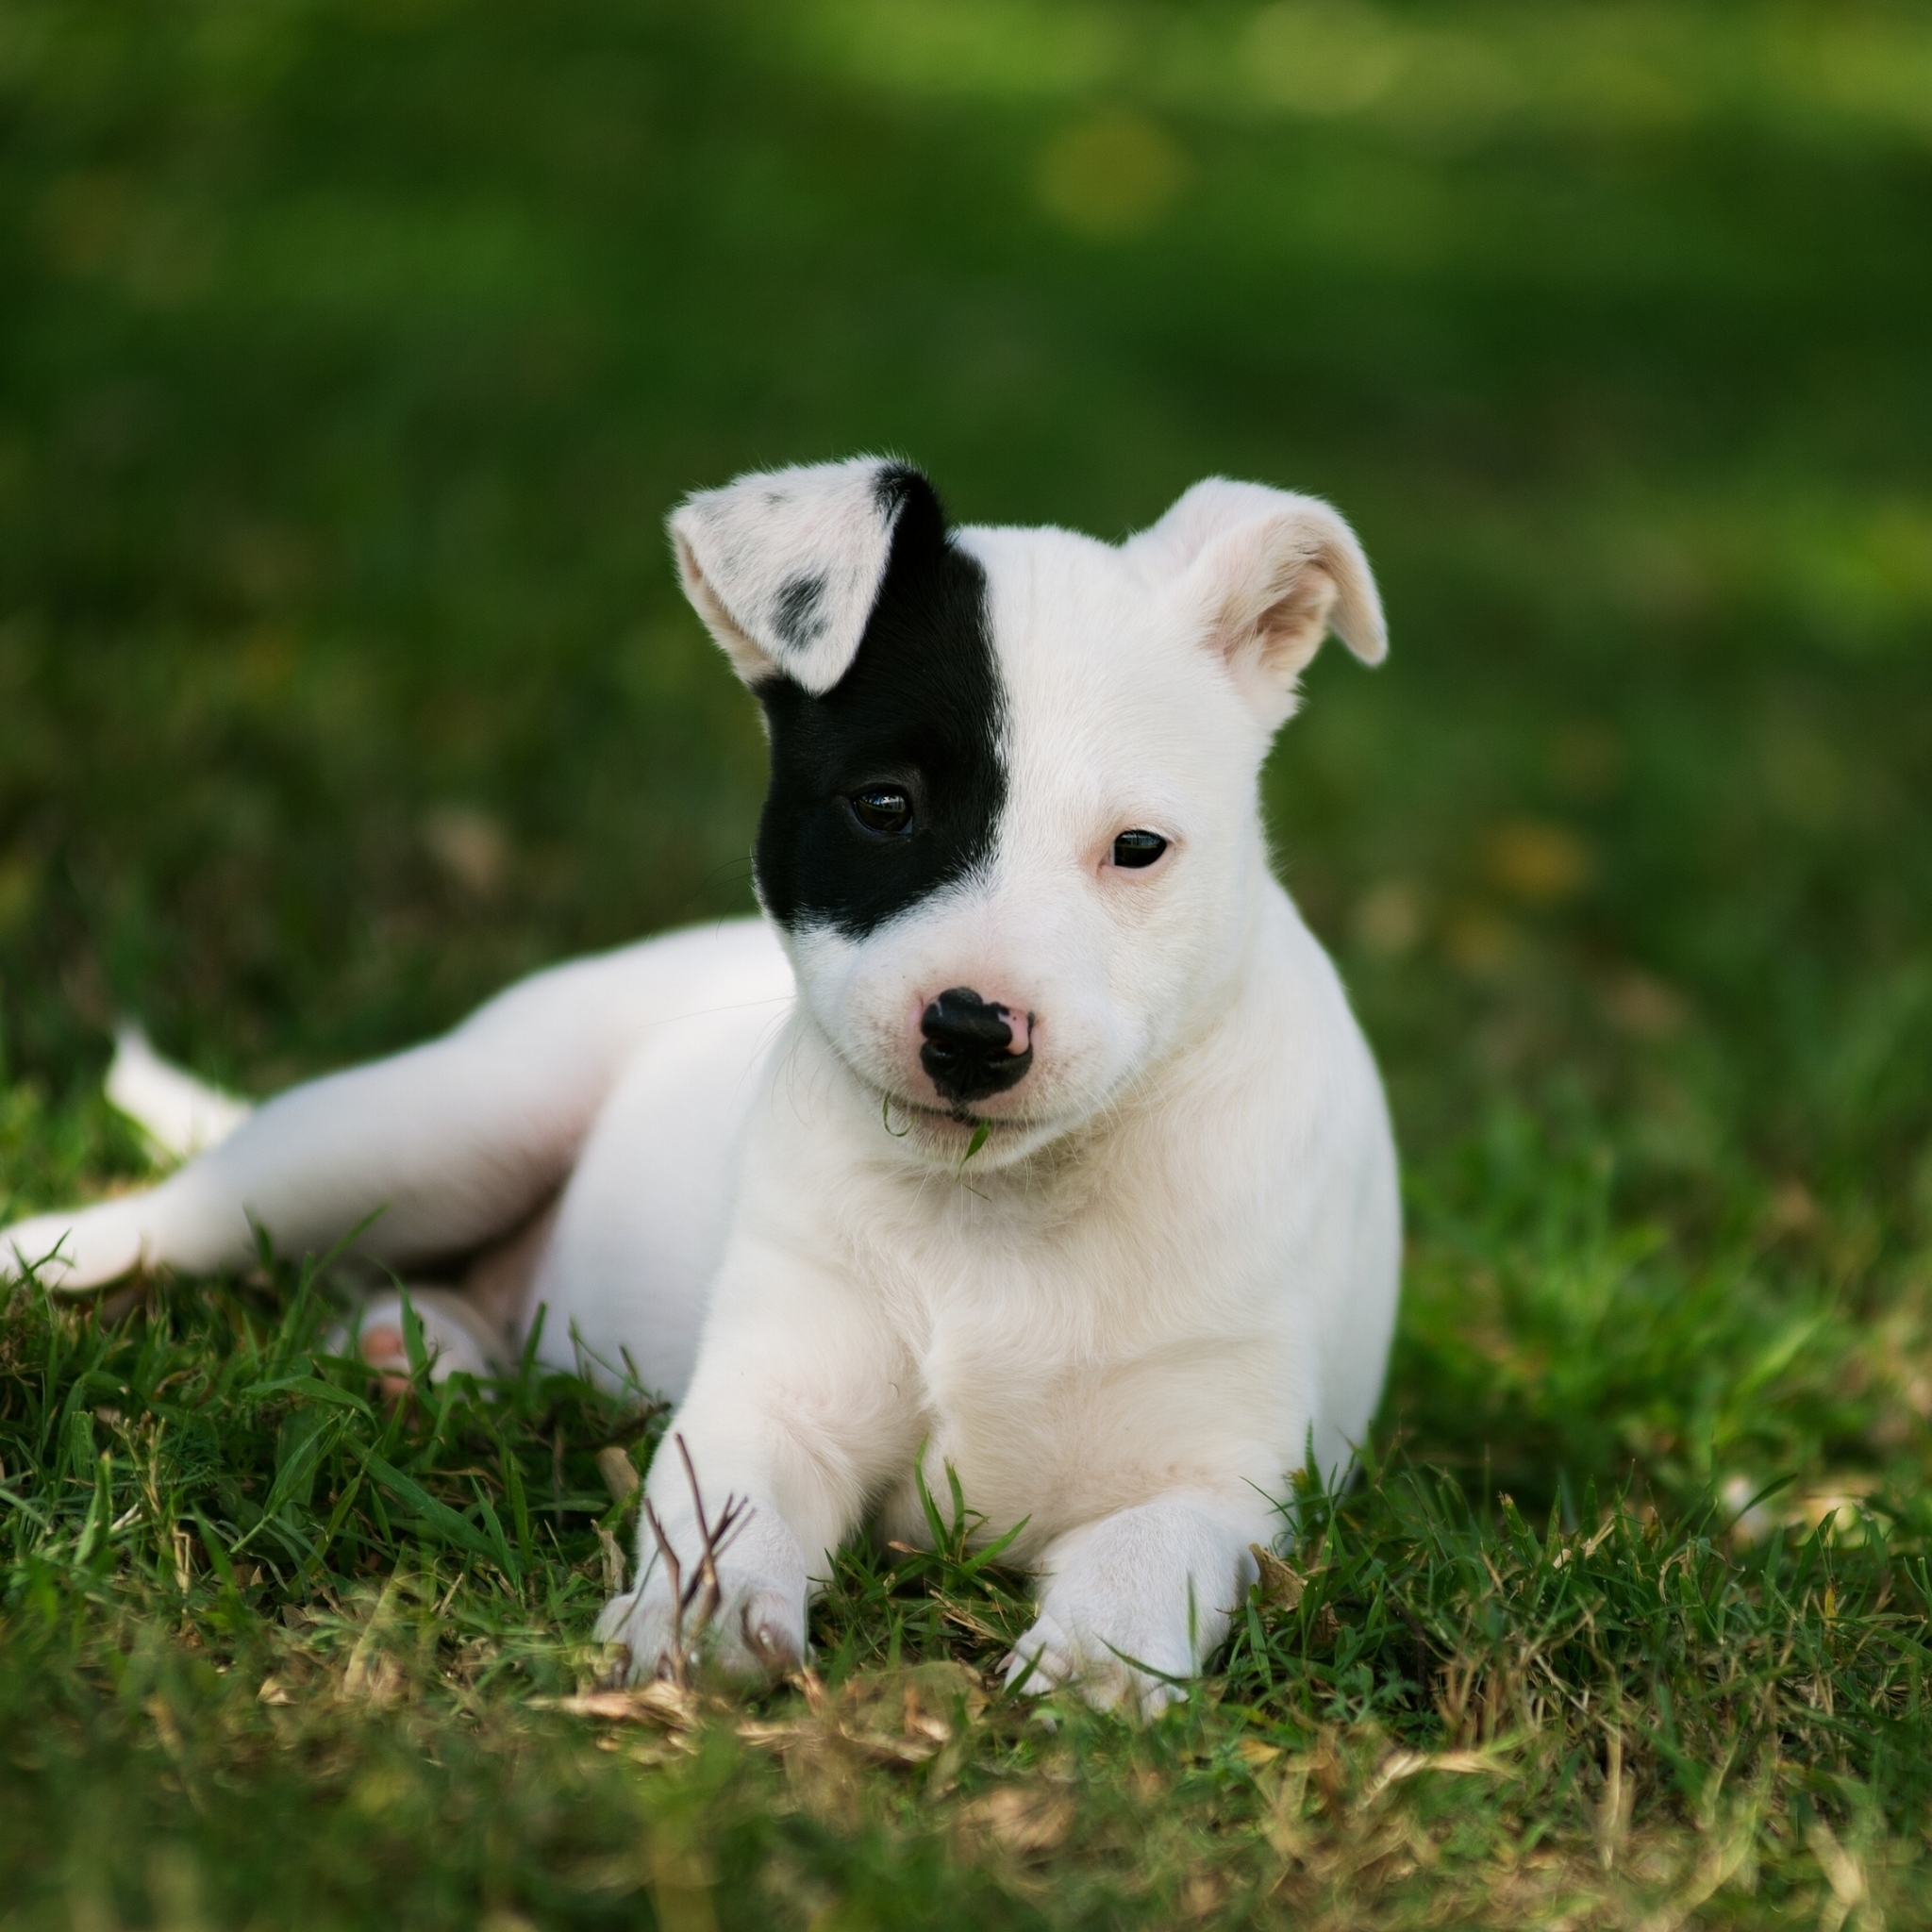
[974, 1047]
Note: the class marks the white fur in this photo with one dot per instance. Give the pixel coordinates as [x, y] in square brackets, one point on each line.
[1167, 1275]
[741, 548]
[179, 1115]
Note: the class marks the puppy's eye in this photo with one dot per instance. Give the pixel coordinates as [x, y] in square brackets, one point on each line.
[1136, 849]
[882, 808]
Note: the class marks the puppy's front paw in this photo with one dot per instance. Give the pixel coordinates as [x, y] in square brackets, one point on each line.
[1108, 1674]
[1042, 1661]
[757, 1635]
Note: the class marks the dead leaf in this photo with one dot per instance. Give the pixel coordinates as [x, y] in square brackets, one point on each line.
[918, 1701]
[1202, 1893]
[660, 1702]
[897, 1718]
[773, 1736]
[613, 1561]
[619, 1471]
[1842, 1872]
[882, 1747]
[1399, 1765]
[373, 1678]
[1280, 1584]
[1019, 1819]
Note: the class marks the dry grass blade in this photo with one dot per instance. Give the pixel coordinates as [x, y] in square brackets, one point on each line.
[660, 1702]
[1025, 1820]
[1400, 1765]
[619, 1471]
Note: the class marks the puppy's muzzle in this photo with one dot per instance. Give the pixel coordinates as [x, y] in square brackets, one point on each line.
[972, 1048]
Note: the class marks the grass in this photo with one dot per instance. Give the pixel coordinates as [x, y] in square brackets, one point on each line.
[349, 357]
[276, 1656]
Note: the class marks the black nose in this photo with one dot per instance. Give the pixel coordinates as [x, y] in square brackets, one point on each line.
[967, 1051]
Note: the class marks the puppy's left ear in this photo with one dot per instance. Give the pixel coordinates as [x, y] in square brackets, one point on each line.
[784, 565]
[1270, 574]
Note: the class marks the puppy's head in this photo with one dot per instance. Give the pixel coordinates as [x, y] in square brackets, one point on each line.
[1012, 836]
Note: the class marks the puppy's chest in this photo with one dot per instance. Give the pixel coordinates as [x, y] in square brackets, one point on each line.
[1058, 1378]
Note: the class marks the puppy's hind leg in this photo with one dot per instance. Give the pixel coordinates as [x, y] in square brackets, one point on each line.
[447, 1146]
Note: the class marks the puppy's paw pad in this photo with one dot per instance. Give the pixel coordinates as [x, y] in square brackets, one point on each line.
[457, 1339]
[385, 1347]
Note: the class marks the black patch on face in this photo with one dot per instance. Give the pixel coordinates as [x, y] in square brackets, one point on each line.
[919, 712]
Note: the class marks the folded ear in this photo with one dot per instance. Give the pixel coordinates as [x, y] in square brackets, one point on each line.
[784, 565]
[1270, 573]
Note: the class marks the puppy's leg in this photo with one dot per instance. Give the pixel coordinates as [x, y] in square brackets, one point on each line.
[1150, 1585]
[796, 1412]
[449, 1145]
[473, 1331]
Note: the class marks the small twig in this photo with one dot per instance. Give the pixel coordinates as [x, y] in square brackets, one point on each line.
[712, 1542]
[676, 1660]
[697, 1495]
[704, 1593]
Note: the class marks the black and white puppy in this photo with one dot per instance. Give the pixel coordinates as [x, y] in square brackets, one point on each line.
[1030, 1130]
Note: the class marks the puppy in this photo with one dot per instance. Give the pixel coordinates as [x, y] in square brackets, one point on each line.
[1029, 1132]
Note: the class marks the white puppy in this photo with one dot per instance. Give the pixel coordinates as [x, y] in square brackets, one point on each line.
[1066, 1162]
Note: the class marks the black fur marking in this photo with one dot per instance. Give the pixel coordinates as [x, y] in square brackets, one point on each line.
[894, 483]
[920, 711]
[966, 1054]
[799, 616]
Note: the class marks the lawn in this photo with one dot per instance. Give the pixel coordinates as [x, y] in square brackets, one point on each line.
[350, 355]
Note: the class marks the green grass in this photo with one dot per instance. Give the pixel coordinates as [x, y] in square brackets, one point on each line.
[349, 357]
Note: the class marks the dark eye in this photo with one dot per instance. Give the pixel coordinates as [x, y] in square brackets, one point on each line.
[882, 808]
[1136, 849]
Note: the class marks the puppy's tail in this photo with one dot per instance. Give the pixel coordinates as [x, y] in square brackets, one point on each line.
[179, 1115]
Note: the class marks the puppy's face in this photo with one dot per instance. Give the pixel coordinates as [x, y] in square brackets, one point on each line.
[1011, 835]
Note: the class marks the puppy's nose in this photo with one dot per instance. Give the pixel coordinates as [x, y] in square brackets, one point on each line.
[974, 1048]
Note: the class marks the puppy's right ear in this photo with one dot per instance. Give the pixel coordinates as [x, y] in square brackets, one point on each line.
[784, 565]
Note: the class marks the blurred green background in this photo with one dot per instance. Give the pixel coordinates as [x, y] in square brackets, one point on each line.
[350, 355]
